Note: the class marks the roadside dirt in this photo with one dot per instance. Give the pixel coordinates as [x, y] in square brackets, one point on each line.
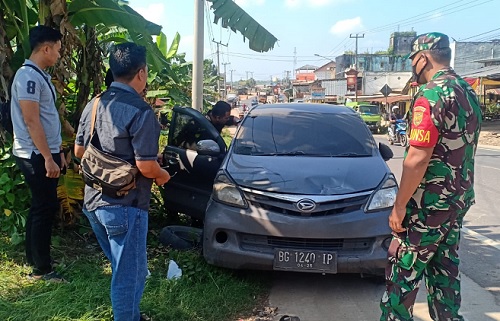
[490, 133]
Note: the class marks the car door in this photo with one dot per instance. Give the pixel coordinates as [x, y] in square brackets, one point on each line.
[192, 174]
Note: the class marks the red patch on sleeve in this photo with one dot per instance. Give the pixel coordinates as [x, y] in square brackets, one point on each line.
[423, 132]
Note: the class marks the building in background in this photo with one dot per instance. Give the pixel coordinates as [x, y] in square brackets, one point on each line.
[400, 42]
[305, 73]
[471, 56]
[326, 71]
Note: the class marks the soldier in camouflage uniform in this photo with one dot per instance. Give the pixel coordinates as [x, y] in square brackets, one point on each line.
[436, 187]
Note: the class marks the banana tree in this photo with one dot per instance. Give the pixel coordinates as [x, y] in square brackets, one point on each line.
[235, 18]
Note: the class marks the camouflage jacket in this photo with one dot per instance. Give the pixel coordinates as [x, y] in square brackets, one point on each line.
[454, 110]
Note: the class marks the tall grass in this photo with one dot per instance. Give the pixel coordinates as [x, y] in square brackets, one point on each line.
[203, 293]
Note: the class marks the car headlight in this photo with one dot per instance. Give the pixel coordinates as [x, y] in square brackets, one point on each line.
[384, 197]
[225, 191]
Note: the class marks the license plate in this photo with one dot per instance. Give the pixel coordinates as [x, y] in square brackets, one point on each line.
[293, 260]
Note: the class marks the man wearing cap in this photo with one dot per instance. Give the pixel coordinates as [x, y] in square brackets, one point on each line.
[437, 186]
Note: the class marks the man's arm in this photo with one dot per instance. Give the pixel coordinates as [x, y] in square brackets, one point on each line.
[79, 150]
[414, 168]
[151, 169]
[31, 115]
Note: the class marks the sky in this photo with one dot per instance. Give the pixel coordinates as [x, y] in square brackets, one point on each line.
[308, 27]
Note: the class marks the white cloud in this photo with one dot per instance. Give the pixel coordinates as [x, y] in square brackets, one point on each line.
[310, 3]
[154, 12]
[437, 15]
[292, 3]
[246, 3]
[319, 3]
[345, 26]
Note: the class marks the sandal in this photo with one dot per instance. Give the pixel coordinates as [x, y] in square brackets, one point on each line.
[289, 318]
[53, 277]
[145, 317]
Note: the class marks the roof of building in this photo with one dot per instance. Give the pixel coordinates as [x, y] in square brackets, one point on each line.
[307, 67]
[488, 60]
[492, 72]
[326, 66]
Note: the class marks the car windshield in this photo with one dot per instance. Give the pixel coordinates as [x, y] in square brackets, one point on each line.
[304, 134]
[369, 109]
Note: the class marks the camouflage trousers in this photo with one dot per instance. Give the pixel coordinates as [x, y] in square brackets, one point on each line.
[428, 247]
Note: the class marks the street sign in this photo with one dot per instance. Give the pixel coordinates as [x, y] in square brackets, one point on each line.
[386, 90]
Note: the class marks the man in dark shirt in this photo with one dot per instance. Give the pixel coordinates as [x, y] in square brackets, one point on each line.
[126, 127]
[220, 116]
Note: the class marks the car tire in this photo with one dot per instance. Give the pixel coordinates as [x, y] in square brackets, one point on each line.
[181, 237]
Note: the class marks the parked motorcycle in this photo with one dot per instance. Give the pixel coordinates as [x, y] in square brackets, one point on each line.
[399, 136]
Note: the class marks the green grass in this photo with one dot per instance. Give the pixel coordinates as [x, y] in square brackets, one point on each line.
[203, 293]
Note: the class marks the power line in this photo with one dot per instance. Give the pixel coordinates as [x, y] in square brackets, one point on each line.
[480, 34]
[394, 24]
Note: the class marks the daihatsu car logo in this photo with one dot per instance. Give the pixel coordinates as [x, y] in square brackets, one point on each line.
[305, 205]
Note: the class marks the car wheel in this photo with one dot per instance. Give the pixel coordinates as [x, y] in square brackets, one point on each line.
[181, 237]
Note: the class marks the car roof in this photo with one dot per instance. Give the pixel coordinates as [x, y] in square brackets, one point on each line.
[266, 109]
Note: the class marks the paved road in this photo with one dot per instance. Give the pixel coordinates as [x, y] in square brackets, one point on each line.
[315, 297]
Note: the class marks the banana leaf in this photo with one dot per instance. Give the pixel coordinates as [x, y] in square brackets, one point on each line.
[232, 16]
[109, 13]
[161, 42]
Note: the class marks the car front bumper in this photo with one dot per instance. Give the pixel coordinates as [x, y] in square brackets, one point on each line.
[247, 238]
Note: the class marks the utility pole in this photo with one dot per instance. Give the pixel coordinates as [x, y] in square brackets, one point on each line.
[225, 91]
[231, 71]
[247, 73]
[197, 92]
[218, 66]
[287, 78]
[294, 61]
[356, 64]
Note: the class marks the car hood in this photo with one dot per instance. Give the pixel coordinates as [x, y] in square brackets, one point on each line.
[307, 175]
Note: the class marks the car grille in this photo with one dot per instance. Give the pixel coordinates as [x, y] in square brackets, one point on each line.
[282, 205]
[268, 244]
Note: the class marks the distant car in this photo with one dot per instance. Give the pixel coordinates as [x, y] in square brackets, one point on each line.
[299, 101]
[303, 187]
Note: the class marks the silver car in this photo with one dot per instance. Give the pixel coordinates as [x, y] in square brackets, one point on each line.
[303, 187]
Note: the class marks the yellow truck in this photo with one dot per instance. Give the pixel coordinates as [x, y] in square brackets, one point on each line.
[369, 113]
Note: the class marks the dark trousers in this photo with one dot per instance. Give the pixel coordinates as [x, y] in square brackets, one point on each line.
[44, 206]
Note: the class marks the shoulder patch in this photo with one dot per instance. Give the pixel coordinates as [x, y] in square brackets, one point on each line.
[423, 132]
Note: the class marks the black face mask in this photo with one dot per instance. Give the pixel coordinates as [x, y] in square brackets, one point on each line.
[416, 76]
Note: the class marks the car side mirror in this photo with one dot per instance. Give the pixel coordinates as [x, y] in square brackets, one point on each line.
[385, 151]
[208, 147]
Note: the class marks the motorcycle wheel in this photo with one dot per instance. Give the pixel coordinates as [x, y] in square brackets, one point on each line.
[403, 140]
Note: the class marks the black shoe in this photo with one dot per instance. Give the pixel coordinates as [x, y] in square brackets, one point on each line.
[53, 277]
[144, 317]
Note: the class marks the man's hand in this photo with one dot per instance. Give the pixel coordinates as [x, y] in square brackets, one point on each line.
[64, 163]
[164, 178]
[396, 219]
[52, 169]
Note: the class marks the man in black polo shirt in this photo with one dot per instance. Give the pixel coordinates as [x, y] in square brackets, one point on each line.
[220, 116]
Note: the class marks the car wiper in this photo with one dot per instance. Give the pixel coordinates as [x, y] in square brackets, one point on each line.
[295, 153]
[351, 155]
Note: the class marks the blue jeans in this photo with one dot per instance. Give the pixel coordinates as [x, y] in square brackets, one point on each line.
[43, 210]
[121, 232]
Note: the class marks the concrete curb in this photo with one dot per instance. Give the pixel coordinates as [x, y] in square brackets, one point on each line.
[489, 147]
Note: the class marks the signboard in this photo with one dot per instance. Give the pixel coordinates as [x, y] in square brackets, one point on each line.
[386, 90]
[317, 93]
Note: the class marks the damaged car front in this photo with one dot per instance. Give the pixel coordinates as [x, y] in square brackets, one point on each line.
[304, 187]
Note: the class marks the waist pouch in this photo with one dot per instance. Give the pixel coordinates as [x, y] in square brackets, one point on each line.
[111, 175]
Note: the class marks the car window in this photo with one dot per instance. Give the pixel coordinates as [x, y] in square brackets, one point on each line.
[369, 109]
[300, 133]
[187, 132]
